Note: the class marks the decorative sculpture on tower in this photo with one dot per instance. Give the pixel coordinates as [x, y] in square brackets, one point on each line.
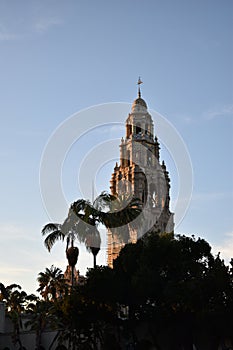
[140, 174]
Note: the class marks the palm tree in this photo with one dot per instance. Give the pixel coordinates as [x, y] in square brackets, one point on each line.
[57, 232]
[88, 218]
[54, 233]
[40, 317]
[80, 224]
[51, 283]
[3, 292]
[122, 215]
[93, 242]
[115, 213]
[17, 302]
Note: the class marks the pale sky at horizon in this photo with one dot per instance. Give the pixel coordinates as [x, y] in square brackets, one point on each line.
[58, 58]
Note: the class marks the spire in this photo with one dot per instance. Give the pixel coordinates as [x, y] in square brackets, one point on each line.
[139, 83]
[139, 101]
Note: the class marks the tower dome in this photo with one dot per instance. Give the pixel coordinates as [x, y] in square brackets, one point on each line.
[139, 102]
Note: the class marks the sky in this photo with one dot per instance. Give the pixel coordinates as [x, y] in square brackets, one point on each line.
[58, 59]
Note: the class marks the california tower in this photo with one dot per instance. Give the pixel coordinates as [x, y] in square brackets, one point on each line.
[141, 174]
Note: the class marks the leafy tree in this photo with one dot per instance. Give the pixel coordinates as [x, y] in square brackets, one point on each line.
[174, 286]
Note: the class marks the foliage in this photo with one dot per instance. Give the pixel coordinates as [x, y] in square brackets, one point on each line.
[51, 283]
[17, 302]
[40, 319]
[83, 220]
[170, 287]
[175, 283]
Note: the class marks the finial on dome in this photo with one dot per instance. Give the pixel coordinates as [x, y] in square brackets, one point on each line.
[139, 102]
[139, 83]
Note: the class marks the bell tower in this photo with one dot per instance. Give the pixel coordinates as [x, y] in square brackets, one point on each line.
[141, 174]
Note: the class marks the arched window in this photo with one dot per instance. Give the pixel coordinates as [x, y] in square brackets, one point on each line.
[149, 157]
[128, 158]
[128, 130]
[143, 196]
[138, 129]
[144, 189]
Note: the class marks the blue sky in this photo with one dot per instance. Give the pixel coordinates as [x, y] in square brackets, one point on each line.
[58, 57]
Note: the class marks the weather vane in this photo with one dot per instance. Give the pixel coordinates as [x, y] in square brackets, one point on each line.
[139, 83]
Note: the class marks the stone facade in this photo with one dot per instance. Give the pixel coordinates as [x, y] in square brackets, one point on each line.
[141, 175]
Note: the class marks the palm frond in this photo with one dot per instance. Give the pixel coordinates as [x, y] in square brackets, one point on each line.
[104, 201]
[52, 238]
[3, 292]
[13, 286]
[79, 206]
[50, 228]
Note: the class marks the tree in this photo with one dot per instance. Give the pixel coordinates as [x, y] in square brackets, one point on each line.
[80, 224]
[40, 318]
[51, 283]
[122, 210]
[83, 220]
[67, 230]
[17, 302]
[88, 218]
[174, 283]
[93, 244]
[114, 212]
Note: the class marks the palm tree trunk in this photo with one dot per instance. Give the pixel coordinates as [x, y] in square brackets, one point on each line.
[95, 251]
[72, 277]
[72, 267]
[94, 261]
[38, 338]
